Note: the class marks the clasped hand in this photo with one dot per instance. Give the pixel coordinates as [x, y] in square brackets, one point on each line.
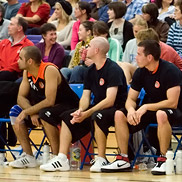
[78, 116]
[134, 117]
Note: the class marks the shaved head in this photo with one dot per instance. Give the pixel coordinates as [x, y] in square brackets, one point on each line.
[101, 43]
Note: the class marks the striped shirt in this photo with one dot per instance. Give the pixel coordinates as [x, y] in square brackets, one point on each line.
[175, 37]
[134, 8]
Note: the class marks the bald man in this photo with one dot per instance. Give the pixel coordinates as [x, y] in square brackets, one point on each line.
[106, 80]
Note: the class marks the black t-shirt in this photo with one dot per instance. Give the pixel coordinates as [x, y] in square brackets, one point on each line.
[156, 84]
[110, 75]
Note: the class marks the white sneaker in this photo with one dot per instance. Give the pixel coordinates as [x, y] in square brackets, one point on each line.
[97, 164]
[160, 167]
[24, 161]
[2, 158]
[121, 164]
[58, 163]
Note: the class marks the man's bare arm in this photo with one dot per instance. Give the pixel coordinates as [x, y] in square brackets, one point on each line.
[52, 80]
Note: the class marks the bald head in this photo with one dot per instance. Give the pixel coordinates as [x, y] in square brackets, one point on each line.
[101, 43]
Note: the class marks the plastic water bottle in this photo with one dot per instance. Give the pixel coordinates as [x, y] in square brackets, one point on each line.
[179, 161]
[46, 154]
[75, 156]
[169, 162]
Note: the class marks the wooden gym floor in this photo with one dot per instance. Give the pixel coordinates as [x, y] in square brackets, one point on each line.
[8, 174]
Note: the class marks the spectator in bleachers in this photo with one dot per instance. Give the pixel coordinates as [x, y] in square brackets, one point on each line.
[115, 53]
[85, 35]
[99, 10]
[175, 32]
[11, 8]
[3, 24]
[167, 52]
[43, 96]
[120, 28]
[82, 13]
[100, 29]
[10, 49]
[134, 7]
[51, 51]
[61, 19]
[106, 80]
[9, 55]
[128, 63]
[161, 81]
[166, 8]
[36, 13]
[73, 4]
[150, 14]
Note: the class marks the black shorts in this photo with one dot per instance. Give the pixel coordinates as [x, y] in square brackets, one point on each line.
[104, 119]
[174, 117]
[53, 115]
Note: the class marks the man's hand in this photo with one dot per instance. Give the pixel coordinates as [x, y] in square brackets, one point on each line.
[132, 118]
[141, 111]
[35, 120]
[20, 117]
[78, 116]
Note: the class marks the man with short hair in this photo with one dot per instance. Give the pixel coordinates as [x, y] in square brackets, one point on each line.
[162, 83]
[106, 80]
[11, 8]
[10, 49]
[43, 96]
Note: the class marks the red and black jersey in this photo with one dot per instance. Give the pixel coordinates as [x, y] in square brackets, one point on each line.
[38, 84]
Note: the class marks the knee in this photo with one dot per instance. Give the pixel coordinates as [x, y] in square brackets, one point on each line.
[119, 117]
[161, 117]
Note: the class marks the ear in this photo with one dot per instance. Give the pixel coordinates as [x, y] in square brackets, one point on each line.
[43, 36]
[20, 28]
[83, 11]
[89, 32]
[96, 50]
[150, 57]
[30, 61]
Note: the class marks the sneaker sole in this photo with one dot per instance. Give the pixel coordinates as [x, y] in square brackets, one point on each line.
[129, 169]
[158, 173]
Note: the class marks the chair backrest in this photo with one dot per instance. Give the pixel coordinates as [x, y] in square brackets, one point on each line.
[34, 38]
[77, 88]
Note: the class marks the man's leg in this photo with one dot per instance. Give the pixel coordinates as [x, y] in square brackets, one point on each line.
[100, 140]
[22, 136]
[53, 136]
[122, 136]
[69, 133]
[65, 139]
[164, 131]
[122, 131]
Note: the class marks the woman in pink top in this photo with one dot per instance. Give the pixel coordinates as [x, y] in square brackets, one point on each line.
[36, 12]
[82, 13]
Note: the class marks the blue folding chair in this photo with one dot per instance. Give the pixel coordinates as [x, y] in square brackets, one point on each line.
[38, 149]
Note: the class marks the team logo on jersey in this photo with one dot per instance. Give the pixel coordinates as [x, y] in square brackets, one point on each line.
[101, 82]
[41, 85]
[157, 84]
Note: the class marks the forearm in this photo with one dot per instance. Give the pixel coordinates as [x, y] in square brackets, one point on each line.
[31, 19]
[37, 107]
[101, 105]
[23, 102]
[130, 105]
[160, 105]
